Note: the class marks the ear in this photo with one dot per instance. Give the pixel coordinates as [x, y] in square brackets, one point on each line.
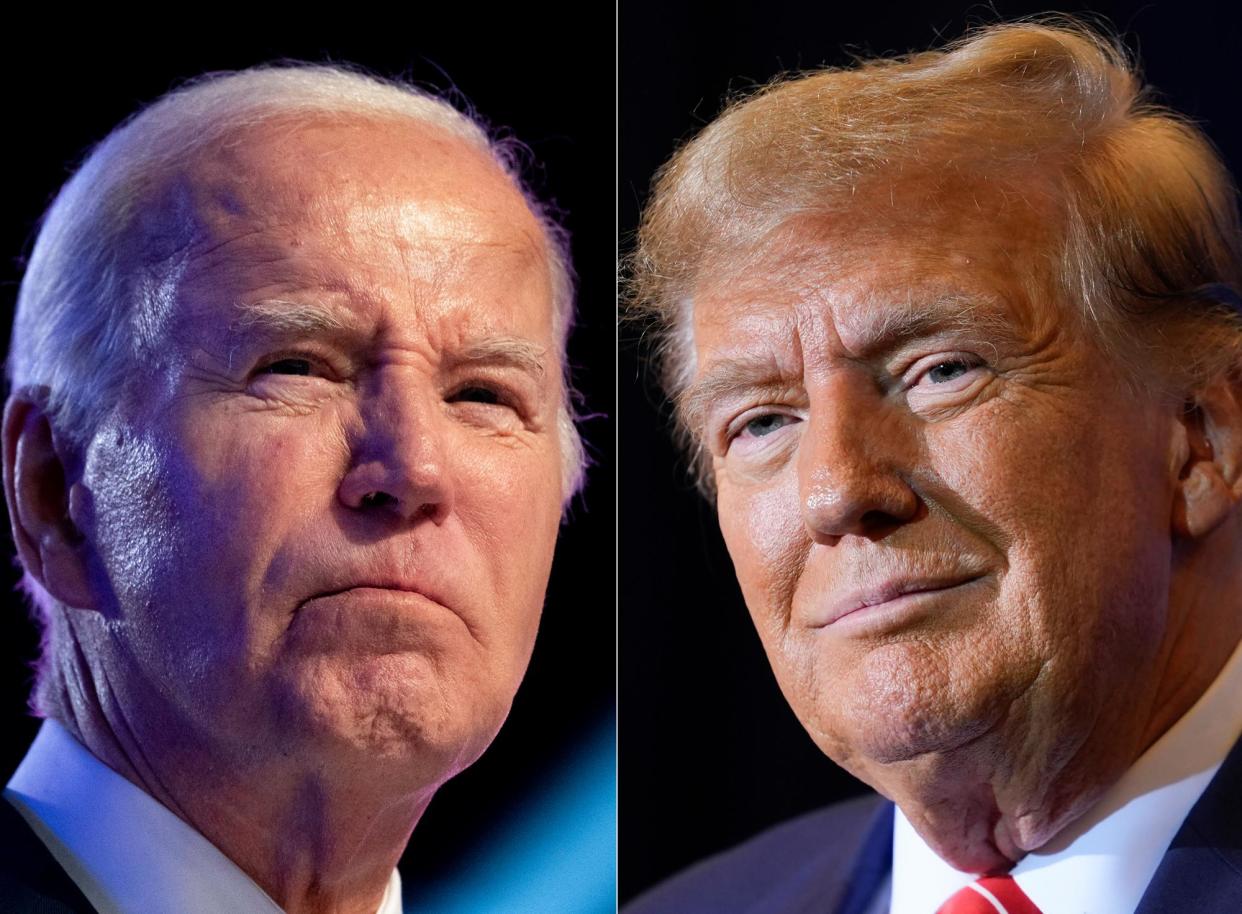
[39, 471]
[1209, 486]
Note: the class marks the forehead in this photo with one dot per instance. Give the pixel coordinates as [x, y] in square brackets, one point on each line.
[895, 253]
[375, 216]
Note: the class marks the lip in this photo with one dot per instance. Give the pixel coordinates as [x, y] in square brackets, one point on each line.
[381, 586]
[891, 597]
[370, 619]
[387, 587]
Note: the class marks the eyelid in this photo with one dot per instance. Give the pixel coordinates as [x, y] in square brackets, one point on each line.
[509, 393]
[480, 383]
[317, 360]
[921, 366]
[736, 427]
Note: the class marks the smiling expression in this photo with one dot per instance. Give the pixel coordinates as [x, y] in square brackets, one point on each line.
[949, 517]
[328, 520]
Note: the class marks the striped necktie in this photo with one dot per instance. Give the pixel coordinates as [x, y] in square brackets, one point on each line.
[990, 895]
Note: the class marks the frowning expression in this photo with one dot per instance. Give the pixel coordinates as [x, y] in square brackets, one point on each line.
[329, 518]
[949, 517]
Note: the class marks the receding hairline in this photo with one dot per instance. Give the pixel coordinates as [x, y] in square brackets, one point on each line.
[86, 283]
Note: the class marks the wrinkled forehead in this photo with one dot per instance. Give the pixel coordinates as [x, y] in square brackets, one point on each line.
[406, 182]
[364, 208]
[891, 246]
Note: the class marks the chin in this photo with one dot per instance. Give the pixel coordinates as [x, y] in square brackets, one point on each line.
[396, 713]
[906, 702]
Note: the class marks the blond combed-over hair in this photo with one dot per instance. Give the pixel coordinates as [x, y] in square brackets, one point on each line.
[1150, 250]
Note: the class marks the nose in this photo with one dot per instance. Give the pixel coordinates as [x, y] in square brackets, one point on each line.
[850, 470]
[399, 464]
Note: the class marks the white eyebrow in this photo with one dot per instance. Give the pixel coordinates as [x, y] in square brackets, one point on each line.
[503, 351]
[277, 317]
[274, 316]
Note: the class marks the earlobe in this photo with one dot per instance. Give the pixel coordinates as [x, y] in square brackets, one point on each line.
[1209, 484]
[36, 487]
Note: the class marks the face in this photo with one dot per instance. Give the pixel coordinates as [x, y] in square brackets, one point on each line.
[949, 517]
[328, 521]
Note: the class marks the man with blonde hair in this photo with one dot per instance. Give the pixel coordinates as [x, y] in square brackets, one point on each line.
[955, 343]
[286, 451]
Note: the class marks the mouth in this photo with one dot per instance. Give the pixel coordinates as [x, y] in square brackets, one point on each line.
[369, 617]
[377, 587]
[383, 596]
[893, 601]
[385, 587]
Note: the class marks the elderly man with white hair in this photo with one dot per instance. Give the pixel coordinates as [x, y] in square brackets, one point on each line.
[286, 450]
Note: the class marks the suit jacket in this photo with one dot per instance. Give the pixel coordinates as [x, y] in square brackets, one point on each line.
[31, 881]
[836, 860]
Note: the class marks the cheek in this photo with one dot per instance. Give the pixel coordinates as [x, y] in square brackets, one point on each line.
[252, 488]
[1076, 505]
[507, 502]
[184, 542]
[136, 517]
[768, 542]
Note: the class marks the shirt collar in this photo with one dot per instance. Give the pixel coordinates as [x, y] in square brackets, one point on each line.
[128, 853]
[1104, 860]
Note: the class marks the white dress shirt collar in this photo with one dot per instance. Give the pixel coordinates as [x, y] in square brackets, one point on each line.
[1104, 861]
[127, 852]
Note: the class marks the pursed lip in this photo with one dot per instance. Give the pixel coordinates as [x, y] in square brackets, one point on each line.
[877, 594]
[389, 585]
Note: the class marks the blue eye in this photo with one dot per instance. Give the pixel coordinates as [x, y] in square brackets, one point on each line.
[766, 424]
[948, 371]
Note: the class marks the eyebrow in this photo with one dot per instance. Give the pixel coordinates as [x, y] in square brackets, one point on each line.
[279, 317]
[501, 352]
[895, 327]
[949, 313]
[729, 376]
[275, 317]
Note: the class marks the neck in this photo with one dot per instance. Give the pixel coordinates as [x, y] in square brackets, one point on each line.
[318, 839]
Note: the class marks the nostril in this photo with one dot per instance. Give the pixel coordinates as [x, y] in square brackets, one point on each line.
[878, 524]
[377, 499]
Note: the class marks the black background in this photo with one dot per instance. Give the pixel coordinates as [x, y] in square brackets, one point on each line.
[710, 753]
[68, 83]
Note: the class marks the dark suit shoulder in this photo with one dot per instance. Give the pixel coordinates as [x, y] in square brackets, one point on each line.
[31, 881]
[812, 859]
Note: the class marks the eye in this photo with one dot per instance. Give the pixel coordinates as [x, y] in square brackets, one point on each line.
[948, 371]
[764, 425]
[476, 393]
[751, 427]
[293, 366]
[951, 372]
[945, 381]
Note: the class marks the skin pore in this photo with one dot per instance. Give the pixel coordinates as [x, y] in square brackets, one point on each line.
[986, 571]
[307, 564]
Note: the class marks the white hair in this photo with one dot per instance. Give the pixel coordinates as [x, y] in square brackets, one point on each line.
[99, 278]
[95, 284]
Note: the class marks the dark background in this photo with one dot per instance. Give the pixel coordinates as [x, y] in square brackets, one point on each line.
[553, 86]
[710, 753]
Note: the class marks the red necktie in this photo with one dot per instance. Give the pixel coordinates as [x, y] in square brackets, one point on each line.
[990, 895]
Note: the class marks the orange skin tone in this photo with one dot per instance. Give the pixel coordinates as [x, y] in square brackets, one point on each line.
[903, 420]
